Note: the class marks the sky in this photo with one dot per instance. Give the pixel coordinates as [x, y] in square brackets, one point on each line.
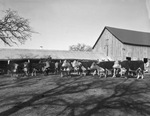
[62, 23]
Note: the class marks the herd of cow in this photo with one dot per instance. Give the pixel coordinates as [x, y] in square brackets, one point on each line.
[68, 68]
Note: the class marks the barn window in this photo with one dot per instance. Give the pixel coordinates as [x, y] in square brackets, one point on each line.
[145, 60]
[128, 58]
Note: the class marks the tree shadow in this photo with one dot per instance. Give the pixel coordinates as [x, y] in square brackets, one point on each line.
[87, 97]
[20, 82]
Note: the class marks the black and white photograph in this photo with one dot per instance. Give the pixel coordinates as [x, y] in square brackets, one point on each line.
[74, 57]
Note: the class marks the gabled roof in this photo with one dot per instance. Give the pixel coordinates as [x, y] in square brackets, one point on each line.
[6, 54]
[129, 36]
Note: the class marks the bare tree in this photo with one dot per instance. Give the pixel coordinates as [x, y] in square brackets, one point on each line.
[14, 29]
[80, 47]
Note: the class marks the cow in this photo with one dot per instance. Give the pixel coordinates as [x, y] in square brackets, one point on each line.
[34, 72]
[123, 68]
[147, 67]
[57, 67]
[66, 68]
[26, 68]
[41, 66]
[134, 68]
[46, 67]
[36, 67]
[52, 67]
[116, 68]
[97, 70]
[107, 66]
[76, 65]
[84, 68]
[83, 71]
[13, 69]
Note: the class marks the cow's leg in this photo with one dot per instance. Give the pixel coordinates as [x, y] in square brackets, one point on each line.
[121, 72]
[84, 73]
[61, 74]
[94, 73]
[101, 73]
[26, 73]
[67, 73]
[105, 75]
[98, 72]
[32, 74]
[14, 73]
[138, 76]
[114, 73]
[142, 76]
[56, 71]
[35, 72]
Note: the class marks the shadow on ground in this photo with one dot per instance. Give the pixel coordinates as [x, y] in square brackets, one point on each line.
[83, 96]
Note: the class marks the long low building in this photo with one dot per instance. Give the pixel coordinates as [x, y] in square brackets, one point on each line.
[9, 54]
[34, 55]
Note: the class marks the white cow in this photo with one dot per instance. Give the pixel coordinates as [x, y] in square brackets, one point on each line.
[65, 68]
[116, 66]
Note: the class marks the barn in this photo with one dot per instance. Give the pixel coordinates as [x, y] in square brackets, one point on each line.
[122, 44]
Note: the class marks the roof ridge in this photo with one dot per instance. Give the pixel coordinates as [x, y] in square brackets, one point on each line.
[127, 29]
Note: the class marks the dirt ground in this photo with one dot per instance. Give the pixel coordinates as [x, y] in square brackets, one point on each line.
[74, 96]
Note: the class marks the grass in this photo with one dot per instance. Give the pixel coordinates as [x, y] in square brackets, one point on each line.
[74, 96]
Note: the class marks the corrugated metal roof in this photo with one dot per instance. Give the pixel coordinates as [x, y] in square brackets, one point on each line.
[130, 36]
[55, 54]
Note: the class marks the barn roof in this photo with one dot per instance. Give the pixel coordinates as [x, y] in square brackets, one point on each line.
[129, 36]
[55, 54]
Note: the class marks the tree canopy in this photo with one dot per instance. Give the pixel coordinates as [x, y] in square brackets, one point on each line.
[14, 29]
[80, 47]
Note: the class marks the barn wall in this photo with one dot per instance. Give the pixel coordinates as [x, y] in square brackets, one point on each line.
[137, 52]
[119, 51]
[108, 42]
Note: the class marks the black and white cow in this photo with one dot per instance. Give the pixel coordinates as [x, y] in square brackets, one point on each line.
[13, 69]
[107, 66]
[134, 68]
[85, 67]
[123, 68]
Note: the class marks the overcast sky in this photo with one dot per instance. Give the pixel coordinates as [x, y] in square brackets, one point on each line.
[62, 23]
